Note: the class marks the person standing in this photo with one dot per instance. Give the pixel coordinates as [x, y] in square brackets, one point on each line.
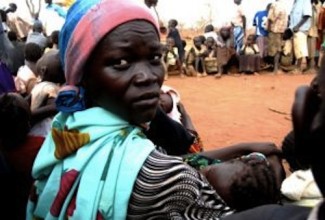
[313, 34]
[260, 22]
[174, 33]
[277, 20]
[239, 26]
[300, 23]
[52, 17]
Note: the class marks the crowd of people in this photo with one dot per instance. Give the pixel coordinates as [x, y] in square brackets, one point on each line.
[89, 129]
[278, 44]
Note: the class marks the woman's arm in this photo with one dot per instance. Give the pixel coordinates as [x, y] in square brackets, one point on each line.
[43, 112]
[230, 152]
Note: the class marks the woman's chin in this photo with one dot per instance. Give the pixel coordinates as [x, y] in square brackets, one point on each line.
[144, 116]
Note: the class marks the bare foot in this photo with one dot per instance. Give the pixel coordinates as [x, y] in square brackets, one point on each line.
[217, 76]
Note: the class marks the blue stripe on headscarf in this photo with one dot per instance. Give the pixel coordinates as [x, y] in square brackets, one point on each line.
[75, 13]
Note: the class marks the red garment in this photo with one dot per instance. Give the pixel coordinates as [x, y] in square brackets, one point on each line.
[16, 184]
[21, 159]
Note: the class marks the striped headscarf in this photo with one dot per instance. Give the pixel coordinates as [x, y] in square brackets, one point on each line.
[87, 22]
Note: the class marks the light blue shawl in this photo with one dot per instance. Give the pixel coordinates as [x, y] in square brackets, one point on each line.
[98, 171]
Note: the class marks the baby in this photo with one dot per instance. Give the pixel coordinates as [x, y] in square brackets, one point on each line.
[244, 182]
[172, 106]
[169, 99]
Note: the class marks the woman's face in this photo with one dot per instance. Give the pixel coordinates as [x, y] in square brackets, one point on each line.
[124, 73]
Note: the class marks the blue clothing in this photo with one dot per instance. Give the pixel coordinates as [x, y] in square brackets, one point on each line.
[76, 12]
[61, 12]
[238, 38]
[6, 82]
[300, 9]
[259, 22]
[93, 158]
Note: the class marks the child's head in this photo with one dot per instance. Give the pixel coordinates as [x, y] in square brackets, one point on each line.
[225, 32]
[15, 118]
[172, 23]
[208, 28]
[245, 182]
[169, 98]
[38, 27]
[170, 42]
[250, 39]
[12, 36]
[197, 41]
[237, 2]
[49, 67]
[288, 34]
[166, 102]
[151, 3]
[55, 37]
[210, 42]
[33, 52]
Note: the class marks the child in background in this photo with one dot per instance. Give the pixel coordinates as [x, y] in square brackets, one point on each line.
[249, 58]
[210, 61]
[174, 33]
[26, 76]
[195, 57]
[53, 41]
[171, 58]
[225, 50]
[287, 54]
[45, 92]
[52, 77]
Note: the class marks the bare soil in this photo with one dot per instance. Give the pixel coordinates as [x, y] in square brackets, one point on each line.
[241, 108]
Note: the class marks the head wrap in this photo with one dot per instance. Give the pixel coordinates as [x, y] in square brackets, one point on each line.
[87, 22]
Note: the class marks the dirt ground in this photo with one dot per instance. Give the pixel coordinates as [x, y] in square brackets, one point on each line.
[242, 108]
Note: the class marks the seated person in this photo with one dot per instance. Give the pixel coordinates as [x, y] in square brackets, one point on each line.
[249, 58]
[171, 58]
[195, 57]
[226, 53]
[210, 61]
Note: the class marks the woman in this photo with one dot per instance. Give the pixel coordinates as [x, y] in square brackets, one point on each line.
[97, 163]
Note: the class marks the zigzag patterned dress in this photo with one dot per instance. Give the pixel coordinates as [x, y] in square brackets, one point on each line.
[167, 188]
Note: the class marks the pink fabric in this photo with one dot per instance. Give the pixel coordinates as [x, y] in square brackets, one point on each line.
[98, 22]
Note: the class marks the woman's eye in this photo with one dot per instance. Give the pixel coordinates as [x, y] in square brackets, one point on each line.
[156, 59]
[121, 64]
